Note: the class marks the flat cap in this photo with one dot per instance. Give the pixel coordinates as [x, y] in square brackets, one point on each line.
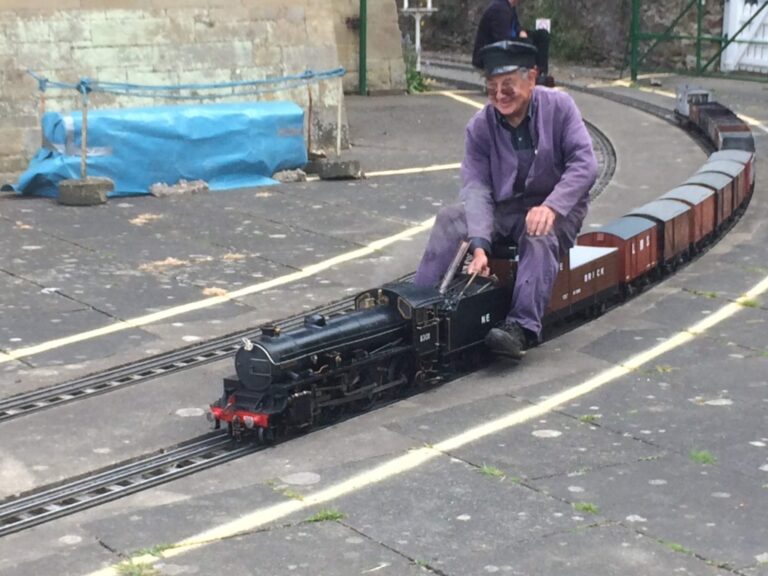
[507, 56]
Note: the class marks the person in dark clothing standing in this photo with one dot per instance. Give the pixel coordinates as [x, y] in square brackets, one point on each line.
[500, 22]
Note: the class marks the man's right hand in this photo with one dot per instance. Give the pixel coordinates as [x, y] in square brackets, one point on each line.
[479, 263]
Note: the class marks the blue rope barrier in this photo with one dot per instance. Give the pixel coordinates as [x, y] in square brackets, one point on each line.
[86, 85]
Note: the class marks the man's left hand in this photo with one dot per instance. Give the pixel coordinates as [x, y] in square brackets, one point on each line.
[540, 220]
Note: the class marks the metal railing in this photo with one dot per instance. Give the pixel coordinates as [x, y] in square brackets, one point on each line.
[701, 38]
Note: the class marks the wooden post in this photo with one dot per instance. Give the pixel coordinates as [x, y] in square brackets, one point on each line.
[84, 139]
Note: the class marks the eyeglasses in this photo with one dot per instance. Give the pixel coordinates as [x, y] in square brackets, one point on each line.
[510, 84]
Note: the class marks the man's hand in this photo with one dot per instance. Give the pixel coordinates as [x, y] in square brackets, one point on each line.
[540, 220]
[479, 264]
[523, 34]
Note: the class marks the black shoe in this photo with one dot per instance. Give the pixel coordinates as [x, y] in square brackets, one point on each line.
[507, 340]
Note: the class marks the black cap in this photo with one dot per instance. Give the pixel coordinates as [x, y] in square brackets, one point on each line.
[507, 56]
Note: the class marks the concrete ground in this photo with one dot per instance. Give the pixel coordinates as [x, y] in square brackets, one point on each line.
[625, 446]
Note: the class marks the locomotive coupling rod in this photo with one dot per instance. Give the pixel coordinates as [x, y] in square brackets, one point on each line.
[458, 260]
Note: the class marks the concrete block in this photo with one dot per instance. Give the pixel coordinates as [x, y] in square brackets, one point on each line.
[88, 192]
[339, 170]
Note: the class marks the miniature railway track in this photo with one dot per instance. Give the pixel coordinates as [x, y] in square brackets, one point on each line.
[117, 481]
[135, 373]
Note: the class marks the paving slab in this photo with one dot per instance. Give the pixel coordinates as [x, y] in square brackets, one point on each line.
[388, 131]
[454, 518]
[304, 550]
[69, 552]
[556, 444]
[602, 550]
[703, 509]
[690, 409]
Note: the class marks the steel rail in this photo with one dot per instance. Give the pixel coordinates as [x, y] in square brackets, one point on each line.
[46, 504]
[134, 373]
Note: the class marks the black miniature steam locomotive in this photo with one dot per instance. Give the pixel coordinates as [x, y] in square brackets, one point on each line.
[398, 335]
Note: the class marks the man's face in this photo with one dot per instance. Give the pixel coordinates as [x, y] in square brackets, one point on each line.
[510, 93]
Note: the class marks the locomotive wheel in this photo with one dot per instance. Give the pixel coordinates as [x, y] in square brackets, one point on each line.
[331, 414]
[265, 436]
[400, 367]
[363, 380]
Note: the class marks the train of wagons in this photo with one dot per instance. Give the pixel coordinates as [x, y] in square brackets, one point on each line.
[400, 336]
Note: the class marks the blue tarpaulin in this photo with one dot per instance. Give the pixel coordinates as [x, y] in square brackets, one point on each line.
[227, 145]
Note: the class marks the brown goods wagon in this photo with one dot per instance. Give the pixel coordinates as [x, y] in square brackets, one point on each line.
[559, 302]
[737, 141]
[743, 157]
[674, 221]
[594, 275]
[699, 109]
[709, 113]
[722, 126]
[722, 185]
[637, 242]
[735, 170]
[702, 201]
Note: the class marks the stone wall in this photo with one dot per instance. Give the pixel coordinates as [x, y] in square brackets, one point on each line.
[170, 42]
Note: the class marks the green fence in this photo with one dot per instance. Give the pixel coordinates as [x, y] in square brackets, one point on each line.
[643, 44]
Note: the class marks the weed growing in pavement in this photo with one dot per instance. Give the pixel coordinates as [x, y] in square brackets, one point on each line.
[492, 471]
[154, 550]
[704, 293]
[293, 494]
[664, 369]
[586, 507]
[750, 303]
[414, 81]
[326, 516]
[588, 418]
[128, 568]
[702, 457]
[675, 547]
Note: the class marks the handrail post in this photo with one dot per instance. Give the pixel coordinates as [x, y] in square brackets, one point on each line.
[699, 18]
[634, 33]
[84, 134]
[338, 119]
[363, 64]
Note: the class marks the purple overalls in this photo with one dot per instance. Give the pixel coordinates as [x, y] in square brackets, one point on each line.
[562, 172]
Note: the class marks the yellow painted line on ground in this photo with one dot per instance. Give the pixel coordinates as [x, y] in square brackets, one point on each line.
[462, 99]
[417, 457]
[401, 171]
[216, 300]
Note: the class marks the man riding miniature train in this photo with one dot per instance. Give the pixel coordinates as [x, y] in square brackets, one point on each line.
[527, 171]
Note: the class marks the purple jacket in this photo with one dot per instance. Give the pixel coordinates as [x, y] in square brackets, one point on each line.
[563, 170]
